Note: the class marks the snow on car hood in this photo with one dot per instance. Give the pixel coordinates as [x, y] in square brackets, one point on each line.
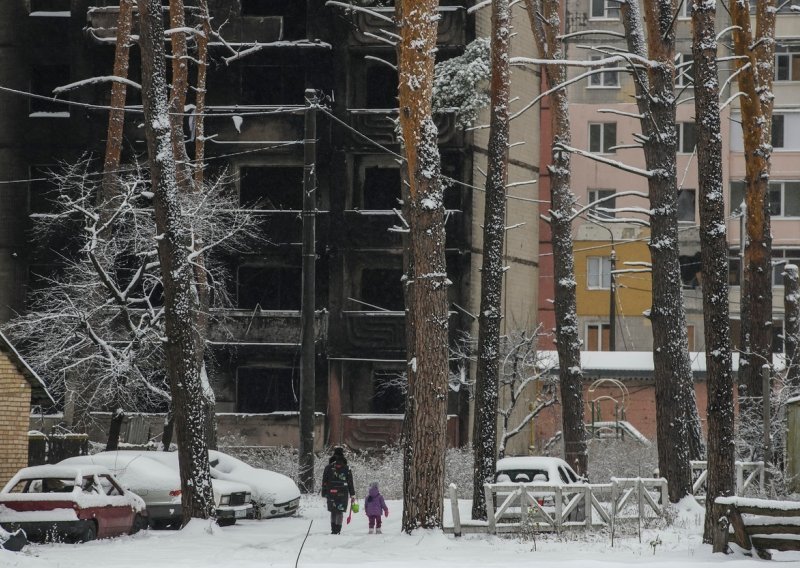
[133, 470]
[266, 486]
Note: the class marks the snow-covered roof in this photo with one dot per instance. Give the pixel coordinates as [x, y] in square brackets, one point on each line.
[39, 392]
[636, 363]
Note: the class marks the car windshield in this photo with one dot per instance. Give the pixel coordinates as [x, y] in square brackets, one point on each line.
[522, 475]
[44, 485]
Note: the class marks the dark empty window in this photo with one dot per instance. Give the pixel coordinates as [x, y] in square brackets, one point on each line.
[270, 287]
[41, 191]
[45, 78]
[50, 6]
[262, 390]
[390, 392]
[381, 189]
[777, 130]
[271, 187]
[381, 86]
[381, 287]
[293, 13]
[273, 85]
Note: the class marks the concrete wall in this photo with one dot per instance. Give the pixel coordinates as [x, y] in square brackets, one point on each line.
[15, 408]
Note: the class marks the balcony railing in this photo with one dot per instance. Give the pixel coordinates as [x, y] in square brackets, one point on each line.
[379, 125]
[269, 328]
[367, 27]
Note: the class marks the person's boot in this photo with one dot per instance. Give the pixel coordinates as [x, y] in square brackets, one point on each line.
[371, 531]
[378, 531]
[338, 529]
[333, 528]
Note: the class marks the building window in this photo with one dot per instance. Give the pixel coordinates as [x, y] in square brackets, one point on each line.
[784, 198]
[778, 122]
[273, 85]
[276, 287]
[787, 65]
[381, 86]
[41, 190]
[389, 392]
[272, 188]
[609, 203]
[265, 389]
[603, 137]
[53, 8]
[380, 188]
[686, 205]
[597, 337]
[604, 79]
[685, 10]
[734, 268]
[605, 9]
[780, 258]
[291, 12]
[599, 272]
[686, 137]
[684, 70]
[382, 289]
[45, 78]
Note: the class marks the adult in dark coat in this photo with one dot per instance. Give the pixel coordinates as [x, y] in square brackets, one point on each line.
[337, 486]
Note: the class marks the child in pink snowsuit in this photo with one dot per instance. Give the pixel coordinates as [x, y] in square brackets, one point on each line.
[373, 506]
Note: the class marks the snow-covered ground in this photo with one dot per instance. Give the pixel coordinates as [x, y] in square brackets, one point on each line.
[276, 542]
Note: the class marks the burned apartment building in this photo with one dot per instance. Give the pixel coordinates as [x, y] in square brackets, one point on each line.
[359, 299]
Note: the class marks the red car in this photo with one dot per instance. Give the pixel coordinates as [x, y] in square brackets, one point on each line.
[53, 502]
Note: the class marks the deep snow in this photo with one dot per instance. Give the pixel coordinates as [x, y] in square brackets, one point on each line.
[275, 542]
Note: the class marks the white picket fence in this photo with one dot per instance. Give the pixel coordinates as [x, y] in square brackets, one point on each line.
[749, 478]
[573, 506]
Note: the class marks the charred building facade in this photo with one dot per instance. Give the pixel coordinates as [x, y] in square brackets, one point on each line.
[293, 45]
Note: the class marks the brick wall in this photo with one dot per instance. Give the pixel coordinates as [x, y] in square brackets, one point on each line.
[15, 408]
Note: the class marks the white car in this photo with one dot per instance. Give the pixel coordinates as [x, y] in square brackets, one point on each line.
[540, 470]
[154, 482]
[274, 495]
[231, 500]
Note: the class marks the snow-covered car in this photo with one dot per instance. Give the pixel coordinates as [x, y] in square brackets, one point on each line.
[81, 502]
[231, 499]
[537, 469]
[274, 495]
[158, 485]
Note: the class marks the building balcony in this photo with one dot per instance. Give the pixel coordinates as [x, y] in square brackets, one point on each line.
[268, 328]
[373, 230]
[379, 125]
[367, 27]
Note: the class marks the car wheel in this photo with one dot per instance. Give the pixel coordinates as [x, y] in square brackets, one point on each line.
[89, 532]
[139, 523]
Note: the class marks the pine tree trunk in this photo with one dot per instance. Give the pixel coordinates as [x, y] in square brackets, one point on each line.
[181, 304]
[200, 94]
[791, 327]
[484, 438]
[116, 116]
[427, 283]
[756, 288]
[180, 87]
[677, 423]
[714, 252]
[546, 31]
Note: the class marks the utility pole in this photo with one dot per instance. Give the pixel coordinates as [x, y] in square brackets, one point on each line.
[308, 363]
[612, 307]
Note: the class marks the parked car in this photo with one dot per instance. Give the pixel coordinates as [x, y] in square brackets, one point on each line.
[80, 502]
[158, 485]
[231, 499]
[538, 469]
[274, 495]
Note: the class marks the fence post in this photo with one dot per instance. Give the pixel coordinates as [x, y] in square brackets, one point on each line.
[739, 479]
[487, 489]
[454, 508]
[587, 506]
[559, 509]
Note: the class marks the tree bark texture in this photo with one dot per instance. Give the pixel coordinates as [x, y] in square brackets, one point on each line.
[677, 422]
[791, 327]
[426, 311]
[714, 252]
[116, 116]
[200, 93]
[546, 31]
[181, 302]
[754, 79]
[484, 437]
[180, 87]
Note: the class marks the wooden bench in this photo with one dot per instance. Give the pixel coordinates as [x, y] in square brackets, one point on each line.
[760, 524]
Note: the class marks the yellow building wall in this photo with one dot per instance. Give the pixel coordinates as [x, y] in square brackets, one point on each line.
[634, 290]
